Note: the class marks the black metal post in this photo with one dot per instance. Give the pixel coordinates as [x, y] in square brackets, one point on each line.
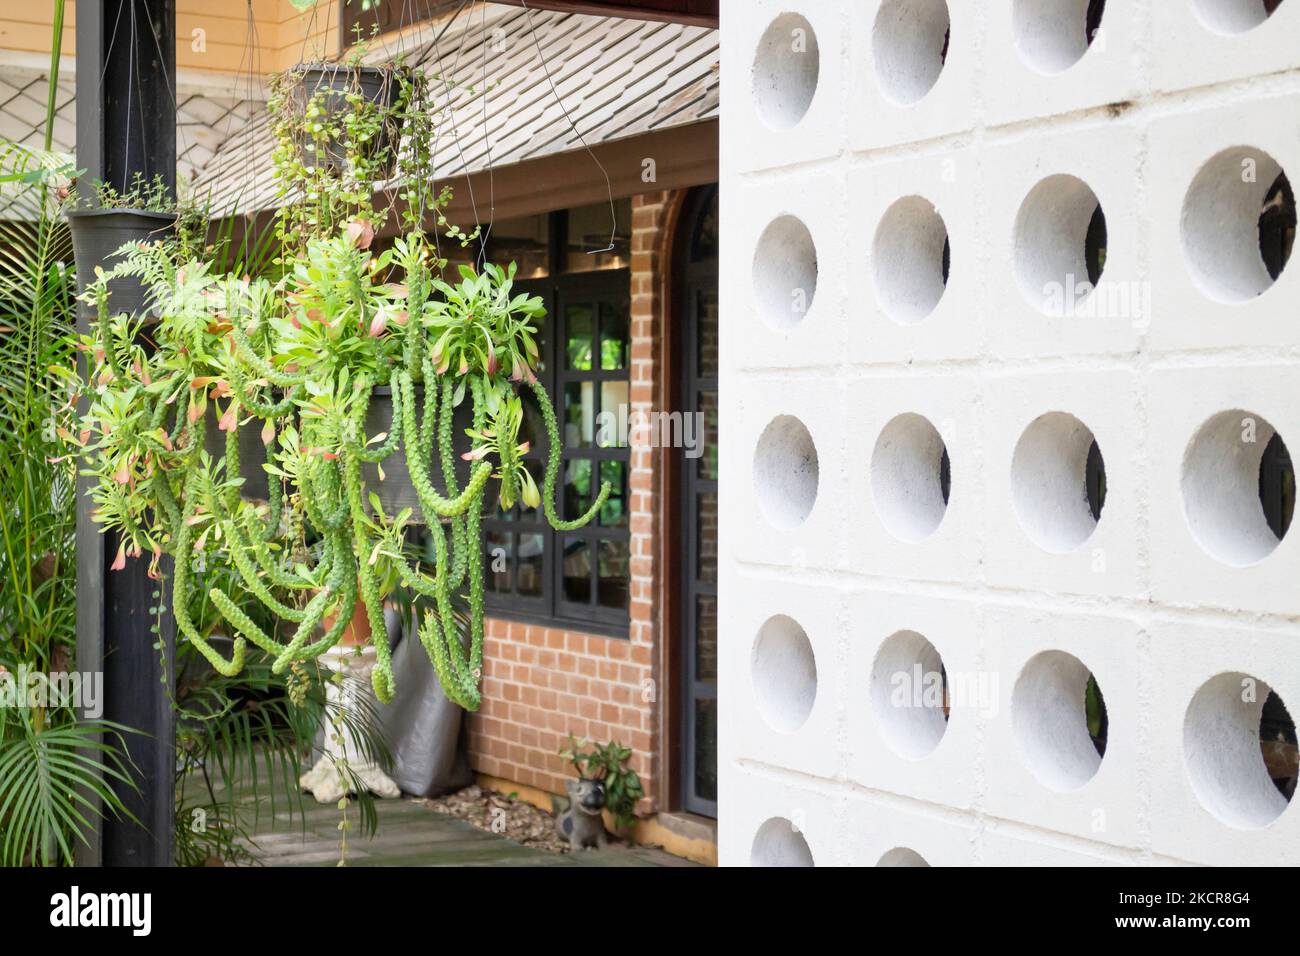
[126, 124]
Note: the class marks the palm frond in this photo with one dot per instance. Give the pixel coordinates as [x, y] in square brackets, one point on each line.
[47, 778]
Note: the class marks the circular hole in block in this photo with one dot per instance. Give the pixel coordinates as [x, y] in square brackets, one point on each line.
[1238, 487]
[785, 472]
[784, 674]
[909, 694]
[910, 478]
[1053, 35]
[910, 43]
[1234, 16]
[1238, 227]
[778, 843]
[1058, 482]
[910, 258]
[1058, 715]
[786, 66]
[785, 273]
[902, 856]
[1239, 743]
[1061, 240]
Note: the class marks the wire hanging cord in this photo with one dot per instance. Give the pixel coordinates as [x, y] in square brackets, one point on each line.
[609, 189]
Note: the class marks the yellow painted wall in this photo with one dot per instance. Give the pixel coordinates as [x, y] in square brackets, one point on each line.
[25, 27]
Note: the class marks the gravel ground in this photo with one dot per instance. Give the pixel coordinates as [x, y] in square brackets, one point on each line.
[497, 813]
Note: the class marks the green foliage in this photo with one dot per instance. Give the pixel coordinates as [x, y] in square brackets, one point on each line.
[55, 770]
[50, 777]
[608, 762]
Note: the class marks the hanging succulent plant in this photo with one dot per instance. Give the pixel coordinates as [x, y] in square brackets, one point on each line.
[348, 367]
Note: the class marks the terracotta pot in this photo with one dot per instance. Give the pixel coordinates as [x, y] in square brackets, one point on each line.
[357, 633]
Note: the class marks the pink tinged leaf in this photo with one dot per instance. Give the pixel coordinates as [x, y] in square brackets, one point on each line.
[330, 455]
[268, 433]
[378, 324]
[120, 561]
[361, 233]
[123, 474]
[401, 316]
[230, 421]
[464, 364]
[475, 454]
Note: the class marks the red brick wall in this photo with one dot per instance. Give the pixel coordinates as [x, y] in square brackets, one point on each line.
[539, 683]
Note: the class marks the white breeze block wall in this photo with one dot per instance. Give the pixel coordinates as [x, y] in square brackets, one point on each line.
[914, 378]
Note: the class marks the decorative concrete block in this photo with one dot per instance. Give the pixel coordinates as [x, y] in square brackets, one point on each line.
[789, 468]
[914, 73]
[1211, 544]
[785, 66]
[1042, 766]
[915, 254]
[776, 823]
[1209, 172]
[1202, 42]
[1041, 194]
[786, 665]
[1039, 430]
[1212, 802]
[902, 428]
[909, 658]
[790, 250]
[1041, 61]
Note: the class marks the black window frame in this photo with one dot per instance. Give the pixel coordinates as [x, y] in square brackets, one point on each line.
[559, 290]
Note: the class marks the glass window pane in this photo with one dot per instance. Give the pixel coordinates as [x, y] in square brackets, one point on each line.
[579, 414]
[614, 512]
[589, 237]
[496, 561]
[706, 542]
[577, 487]
[613, 569]
[614, 411]
[576, 559]
[707, 436]
[615, 347]
[523, 241]
[579, 334]
[706, 637]
[531, 547]
[706, 749]
[533, 428]
[705, 242]
[706, 305]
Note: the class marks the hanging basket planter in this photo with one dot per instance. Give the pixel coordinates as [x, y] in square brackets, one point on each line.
[97, 234]
[329, 87]
[252, 455]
